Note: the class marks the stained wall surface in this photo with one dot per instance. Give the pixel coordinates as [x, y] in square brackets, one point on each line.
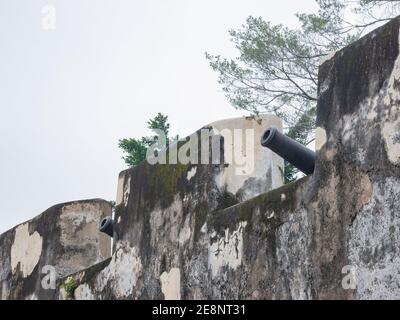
[183, 232]
[332, 235]
[62, 240]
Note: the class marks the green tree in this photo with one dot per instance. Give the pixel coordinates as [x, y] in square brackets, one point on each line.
[276, 70]
[135, 149]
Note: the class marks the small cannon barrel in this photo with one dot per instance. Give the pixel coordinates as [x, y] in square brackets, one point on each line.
[107, 226]
[292, 151]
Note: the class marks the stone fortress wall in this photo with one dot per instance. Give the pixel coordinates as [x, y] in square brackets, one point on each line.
[201, 231]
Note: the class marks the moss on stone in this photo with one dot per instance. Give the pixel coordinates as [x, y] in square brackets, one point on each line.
[69, 286]
[280, 201]
[164, 180]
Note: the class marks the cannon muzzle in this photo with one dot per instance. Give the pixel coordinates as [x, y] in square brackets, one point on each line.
[107, 226]
[292, 151]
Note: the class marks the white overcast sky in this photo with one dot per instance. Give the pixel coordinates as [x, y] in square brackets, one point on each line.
[67, 95]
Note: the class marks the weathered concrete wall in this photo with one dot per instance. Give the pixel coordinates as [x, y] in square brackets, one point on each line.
[182, 234]
[64, 237]
[172, 198]
[359, 114]
[252, 169]
[161, 209]
[177, 239]
[264, 170]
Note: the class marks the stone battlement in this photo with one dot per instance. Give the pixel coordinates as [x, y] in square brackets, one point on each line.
[185, 231]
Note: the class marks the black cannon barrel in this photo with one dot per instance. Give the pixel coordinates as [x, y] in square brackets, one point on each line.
[107, 226]
[290, 150]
